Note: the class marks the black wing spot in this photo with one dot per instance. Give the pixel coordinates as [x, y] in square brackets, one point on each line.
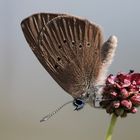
[59, 46]
[58, 58]
[64, 41]
[80, 46]
[88, 44]
[55, 66]
[73, 42]
[95, 52]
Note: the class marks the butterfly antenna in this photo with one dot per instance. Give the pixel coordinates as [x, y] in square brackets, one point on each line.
[54, 112]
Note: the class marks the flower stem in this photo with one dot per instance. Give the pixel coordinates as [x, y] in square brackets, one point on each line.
[111, 126]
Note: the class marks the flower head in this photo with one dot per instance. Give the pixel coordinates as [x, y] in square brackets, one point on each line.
[121, 94]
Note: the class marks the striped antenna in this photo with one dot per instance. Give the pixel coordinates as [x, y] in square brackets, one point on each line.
[54, 112]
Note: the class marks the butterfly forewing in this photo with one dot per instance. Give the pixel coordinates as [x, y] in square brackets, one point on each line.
[33, 25]
[69, 49]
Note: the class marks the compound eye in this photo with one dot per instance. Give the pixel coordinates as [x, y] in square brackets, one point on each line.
[78, 103]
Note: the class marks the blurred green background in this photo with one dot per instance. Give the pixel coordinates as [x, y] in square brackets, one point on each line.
[27, 92]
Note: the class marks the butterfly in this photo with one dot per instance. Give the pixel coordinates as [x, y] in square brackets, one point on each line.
[73, 52]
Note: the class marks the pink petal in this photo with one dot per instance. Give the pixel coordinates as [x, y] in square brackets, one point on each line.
[111, 79]
[125, 93]
[134, 110]
[123, 76]
[135, 99]
[127, 104]
[118, 85]
[135, 77]
[126, 83]
[114, 94]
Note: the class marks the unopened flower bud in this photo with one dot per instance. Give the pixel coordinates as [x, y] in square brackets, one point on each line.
[136, 99]
[134, 110]
[126, 83]
[113, 94]
[111, 79]
[127, 104]
[116, 104]
[124, 93]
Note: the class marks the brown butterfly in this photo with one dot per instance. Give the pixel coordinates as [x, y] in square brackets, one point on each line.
[72, 50]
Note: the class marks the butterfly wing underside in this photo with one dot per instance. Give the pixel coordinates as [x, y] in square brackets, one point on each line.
[69, 48]
[33, 25]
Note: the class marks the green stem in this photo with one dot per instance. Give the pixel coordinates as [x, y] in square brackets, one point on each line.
[111, 126]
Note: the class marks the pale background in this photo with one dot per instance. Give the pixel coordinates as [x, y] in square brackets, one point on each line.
[27, 92]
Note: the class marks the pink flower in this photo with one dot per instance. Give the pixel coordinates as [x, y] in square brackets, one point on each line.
[133, 88]
[135, 99]
[111, 79]
[134, 110]
[123, 76]
[126, 83]
[121, 94]
[113, 94]
[135, 77]
[124, 93]
[124, 79]
[127, 104]
[116, 104]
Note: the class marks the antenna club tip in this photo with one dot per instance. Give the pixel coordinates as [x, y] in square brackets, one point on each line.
[42, 120]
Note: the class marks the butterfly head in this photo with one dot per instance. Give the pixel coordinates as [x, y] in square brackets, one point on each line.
[78, 104]
[93, 97]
